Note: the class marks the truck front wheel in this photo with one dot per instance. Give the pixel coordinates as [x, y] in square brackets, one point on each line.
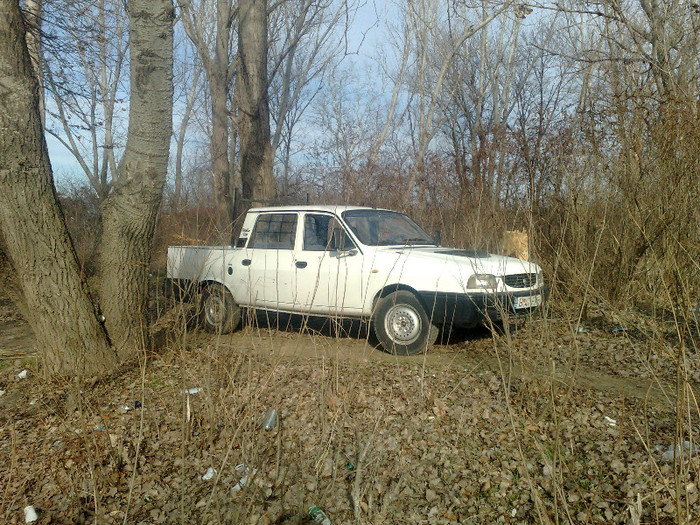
[401, 324]
[219, 313]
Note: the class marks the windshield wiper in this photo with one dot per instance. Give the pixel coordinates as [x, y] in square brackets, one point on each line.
[405, 242]
[418, 240]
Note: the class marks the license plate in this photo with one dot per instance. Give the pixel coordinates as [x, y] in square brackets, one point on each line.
[527, 301]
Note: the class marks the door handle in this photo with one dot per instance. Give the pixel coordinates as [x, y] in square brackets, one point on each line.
[300, 264]
[245, 262]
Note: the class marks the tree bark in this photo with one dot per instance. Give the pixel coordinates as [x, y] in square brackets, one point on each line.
[212, 43]
[129, 214]
[9, 285]
[182, 135]
[219, 90]
[254, 113]
[69, 335]
[34, 12]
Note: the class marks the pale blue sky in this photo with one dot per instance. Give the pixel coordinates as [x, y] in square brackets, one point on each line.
[364, 37]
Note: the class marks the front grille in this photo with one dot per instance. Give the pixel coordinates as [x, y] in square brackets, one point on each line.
[521, 280]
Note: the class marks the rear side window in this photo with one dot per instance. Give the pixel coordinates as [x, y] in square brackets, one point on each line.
[274, 231]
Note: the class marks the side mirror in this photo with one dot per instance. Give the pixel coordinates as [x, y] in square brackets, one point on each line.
[335, 244]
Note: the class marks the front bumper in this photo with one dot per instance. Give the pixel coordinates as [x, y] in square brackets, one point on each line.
[461, 309]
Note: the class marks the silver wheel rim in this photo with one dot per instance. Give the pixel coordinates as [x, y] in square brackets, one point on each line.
[214, 310]
[403, 324]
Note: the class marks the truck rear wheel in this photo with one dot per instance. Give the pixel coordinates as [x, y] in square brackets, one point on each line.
[219, 313]
[402, 326]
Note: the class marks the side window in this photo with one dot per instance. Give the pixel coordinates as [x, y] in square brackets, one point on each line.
[318, 234]
[274, 231]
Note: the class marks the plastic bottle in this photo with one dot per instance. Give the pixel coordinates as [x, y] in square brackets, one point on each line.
[319, 516]
[269, 420]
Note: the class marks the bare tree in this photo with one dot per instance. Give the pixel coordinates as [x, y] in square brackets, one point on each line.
[426, 80]
[210, 26]
[286, 46]
[348, 135]
[129, 214]
[189, 83]
[85, 55]
[73, 336]
[634, 158]
[253, 105]
[34, 12]
[58, 304]
[306, 40]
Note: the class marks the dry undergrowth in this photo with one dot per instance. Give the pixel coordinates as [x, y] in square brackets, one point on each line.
[370, 439]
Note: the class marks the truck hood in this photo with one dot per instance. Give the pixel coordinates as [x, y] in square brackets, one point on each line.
[449, 269]
[476, 261]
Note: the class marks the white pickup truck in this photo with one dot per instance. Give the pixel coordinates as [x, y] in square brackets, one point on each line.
[349, 261]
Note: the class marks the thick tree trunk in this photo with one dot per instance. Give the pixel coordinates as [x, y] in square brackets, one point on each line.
[219, 78]
[254, 113]
[129, 214]
[34, 13]
[217, 68]
[58, 307]
[9, 284]
[218, 90]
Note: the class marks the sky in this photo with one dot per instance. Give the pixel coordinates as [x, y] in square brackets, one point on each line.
[64, 165]
[364, 37]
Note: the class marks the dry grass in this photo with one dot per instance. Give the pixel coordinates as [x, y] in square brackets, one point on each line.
[487, 429]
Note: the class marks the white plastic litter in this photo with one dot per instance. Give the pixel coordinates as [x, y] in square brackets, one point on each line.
[126, 408]
[245, 472]
[30, 514]
[22, 374]
[269, 420]
[610, 421]
[192, 391]
[2, 392]
[688, 449]
[209, 474]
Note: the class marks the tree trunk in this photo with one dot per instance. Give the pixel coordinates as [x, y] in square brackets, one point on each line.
[219, 89]
[254, 113]
[218, 73]
[182, 135]
[129, 214]
[34, 13]
[9, 284]
[58, 306]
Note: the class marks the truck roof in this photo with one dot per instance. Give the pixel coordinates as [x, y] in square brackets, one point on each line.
[312, 207]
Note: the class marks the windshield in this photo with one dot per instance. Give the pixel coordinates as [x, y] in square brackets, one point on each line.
[385, 228]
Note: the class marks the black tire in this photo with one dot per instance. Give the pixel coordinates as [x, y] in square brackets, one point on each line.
[218, 312]
[402, 326]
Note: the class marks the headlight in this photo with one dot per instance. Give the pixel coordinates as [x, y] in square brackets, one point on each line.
[482, 280]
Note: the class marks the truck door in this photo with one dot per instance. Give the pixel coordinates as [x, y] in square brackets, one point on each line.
[270, 261]
[329, 268]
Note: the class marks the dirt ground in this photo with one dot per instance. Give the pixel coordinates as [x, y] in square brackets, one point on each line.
[544, 425]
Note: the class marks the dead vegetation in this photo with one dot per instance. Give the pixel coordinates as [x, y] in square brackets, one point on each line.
[550, 425]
